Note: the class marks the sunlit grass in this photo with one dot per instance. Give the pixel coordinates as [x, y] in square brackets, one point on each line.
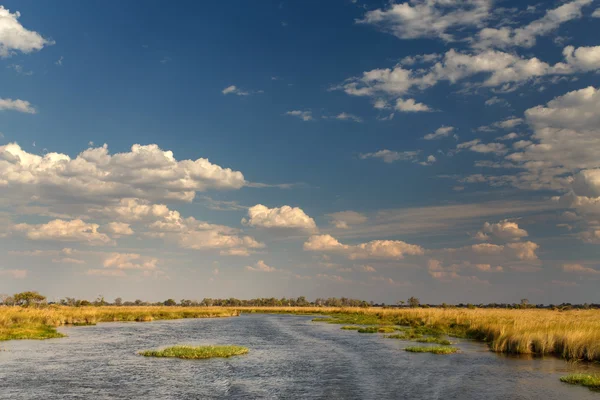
[351, 327]
[587, 380]
[573, 335]
[40, 323]
[196, 352]
[436, 340]
[432, 349]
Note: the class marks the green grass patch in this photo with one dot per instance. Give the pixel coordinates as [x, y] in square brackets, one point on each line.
[436, 340]
[587, 380]
[376, 329]
[351, 327]
[29, 331]
[432, 349]
[196, 352]
[322, 319]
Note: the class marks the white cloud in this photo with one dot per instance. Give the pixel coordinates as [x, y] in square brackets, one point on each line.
[14, 273]
[579, 269]
[420, 59]
[16, 105]
[303, 115]
[429, 18]
[284, 217]
[439, 133]
[496, 67]
[234, 90]
[429, 161]
[596, 13]
[505, 230]
[366, 268]
[495, 100]
[343, 219]
[118, 229]
[526, 36]
[15, 37]
[260, 266]
[146, 172]
[376, 249]
[510, 136]
[348, 117]
[410, 105]
[64, 231]
[389, 156]
[129, 261]
[478, 147]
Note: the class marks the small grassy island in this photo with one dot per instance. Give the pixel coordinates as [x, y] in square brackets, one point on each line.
[196, 352]
[587, 380]
[432, 349]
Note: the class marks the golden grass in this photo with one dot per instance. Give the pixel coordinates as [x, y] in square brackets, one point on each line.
[39, 323]
[571, 334]
[196, 352]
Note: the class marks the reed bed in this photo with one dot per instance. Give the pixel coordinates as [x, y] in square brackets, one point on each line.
[40, 323]
[572, 335]
[196, 352]
[432, 349]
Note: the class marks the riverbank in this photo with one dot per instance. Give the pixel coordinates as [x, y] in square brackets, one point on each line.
[41, 323]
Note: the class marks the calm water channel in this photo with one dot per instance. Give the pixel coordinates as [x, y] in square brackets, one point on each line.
[290, 358]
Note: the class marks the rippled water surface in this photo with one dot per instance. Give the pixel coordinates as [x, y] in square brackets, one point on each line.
[290, 358]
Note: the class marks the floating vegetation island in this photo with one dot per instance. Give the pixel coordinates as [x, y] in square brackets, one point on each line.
[196, 352]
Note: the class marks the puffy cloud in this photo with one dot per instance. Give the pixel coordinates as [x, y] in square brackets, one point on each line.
[439, 272]
[579, 269]
[508, 123]
[525, 250]
[146, 172]
[129, 261]
[591, 236]
[428, 18]
[284, 217]
[234, 90]
[260, 266]
[366, 268]
[596, 13]
[509, 136]
[429, 161]
[495, 100]
[410, 105]
[389, 156]
[478, 147]
[16, 105]
[439, 133]
[343, 219]
[526, 36]
[14, 273]
[228, 244]
[348, 117]
[118, 229]
[498, 69]
[64, 231]
[303, 115]
[376, 249]
[15, 37]
[505, 230]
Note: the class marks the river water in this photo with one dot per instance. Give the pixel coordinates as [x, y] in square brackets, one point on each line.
[290, 358]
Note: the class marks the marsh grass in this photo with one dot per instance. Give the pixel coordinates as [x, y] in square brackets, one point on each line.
[436, 340]
[376, 329]
[587, 380]
[432, 349]
[196, 352]
[351, 327]
[41, 323]
[572, 335]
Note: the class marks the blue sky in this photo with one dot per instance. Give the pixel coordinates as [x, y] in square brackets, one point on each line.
[442, 149]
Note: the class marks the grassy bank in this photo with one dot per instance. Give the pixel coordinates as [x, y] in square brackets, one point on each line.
[40, 323]
[573, 335]
[432, 349]
[587, 380]
[196, 352]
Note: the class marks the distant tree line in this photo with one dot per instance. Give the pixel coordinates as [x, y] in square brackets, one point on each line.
[34, 299]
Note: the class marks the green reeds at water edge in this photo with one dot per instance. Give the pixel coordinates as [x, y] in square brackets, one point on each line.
[196, 352]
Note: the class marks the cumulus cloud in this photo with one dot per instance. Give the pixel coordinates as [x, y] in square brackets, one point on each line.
[64, 231]
[14, 37]
[496, 67]
[439, 133]
[303, 115]
[428, 18]
[284, 217]
[16, 105]
[348, 117]
[146, 172]
[596, 13]
[234, 90]
[260, 266]
[376, 249]
[579, 269]
[118, 229]
[389, 156]
[526, 36]
[478, 147]
[343, 219]
[410, 105]
[504, 230]
[129, 261]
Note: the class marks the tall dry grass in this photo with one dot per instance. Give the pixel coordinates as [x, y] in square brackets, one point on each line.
[571, 334]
